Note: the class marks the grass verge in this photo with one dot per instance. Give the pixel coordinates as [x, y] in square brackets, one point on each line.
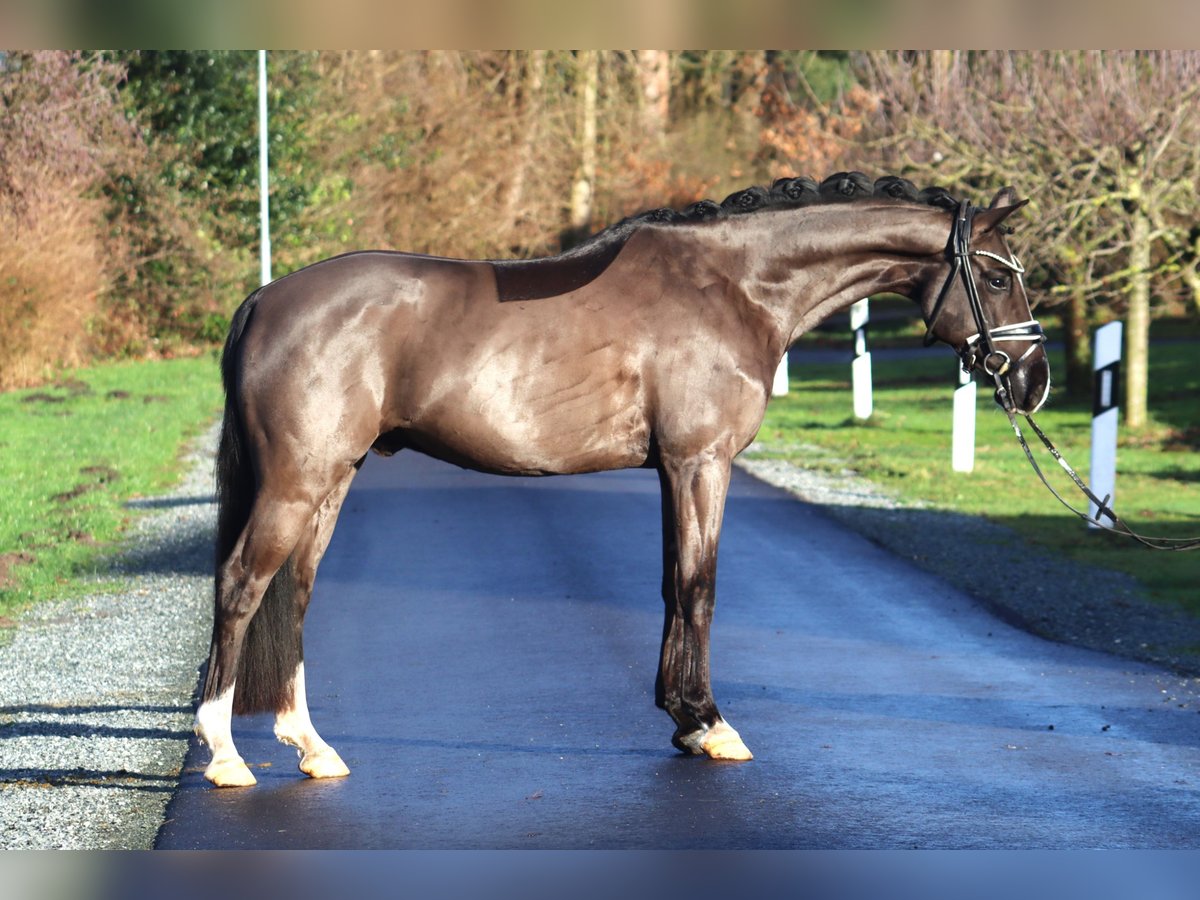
[905, 448]
[73, 453]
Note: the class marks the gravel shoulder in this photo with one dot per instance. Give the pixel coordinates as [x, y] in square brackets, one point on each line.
[1054, 598]
[96, 692]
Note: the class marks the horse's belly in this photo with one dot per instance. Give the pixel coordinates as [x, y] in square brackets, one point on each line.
[538, 427]
[555, 449]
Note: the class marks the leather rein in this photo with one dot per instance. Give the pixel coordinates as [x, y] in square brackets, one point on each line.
[980, 351]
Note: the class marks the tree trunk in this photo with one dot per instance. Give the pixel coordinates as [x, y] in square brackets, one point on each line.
[940, 64]
[1077, 345]
[1192, 277]
[583, 188]
[654, 79]
[1191, 273]
[1137, 323]
[528, 122]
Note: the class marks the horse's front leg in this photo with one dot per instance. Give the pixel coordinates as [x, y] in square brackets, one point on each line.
[694, 493]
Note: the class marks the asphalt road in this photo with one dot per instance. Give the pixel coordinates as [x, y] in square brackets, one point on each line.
[481, 652]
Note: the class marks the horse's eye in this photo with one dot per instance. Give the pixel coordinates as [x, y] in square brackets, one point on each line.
[999, 283]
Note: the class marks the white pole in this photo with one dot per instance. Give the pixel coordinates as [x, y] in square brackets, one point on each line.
[962, 443]
[264, 205]
[860, 368]
[1106, 383]
[779, 387]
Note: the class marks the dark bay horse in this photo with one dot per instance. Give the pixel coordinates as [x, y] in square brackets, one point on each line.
[651, 345]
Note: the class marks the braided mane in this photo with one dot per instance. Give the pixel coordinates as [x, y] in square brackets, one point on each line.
[784, 193]
[789, 192]
[521, 279]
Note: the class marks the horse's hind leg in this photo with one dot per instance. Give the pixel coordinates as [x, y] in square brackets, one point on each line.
[695, 490]
[261, 550]
[292, 724]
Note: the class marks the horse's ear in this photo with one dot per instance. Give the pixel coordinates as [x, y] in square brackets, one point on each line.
[1004, 204]
[1006, 196]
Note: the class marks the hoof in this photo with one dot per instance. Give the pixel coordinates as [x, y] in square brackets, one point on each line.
[718, 742]
[325, 764]
[722, 742]
[229, 773]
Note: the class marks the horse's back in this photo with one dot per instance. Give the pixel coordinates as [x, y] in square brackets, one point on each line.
[335, 289]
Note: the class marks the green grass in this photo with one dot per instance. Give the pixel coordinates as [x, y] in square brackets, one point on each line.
[72, 453]
[905, 448]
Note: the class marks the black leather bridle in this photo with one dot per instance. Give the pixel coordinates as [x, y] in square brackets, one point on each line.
[980, 349]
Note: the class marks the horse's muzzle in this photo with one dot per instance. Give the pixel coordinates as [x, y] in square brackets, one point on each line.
[1026, 384]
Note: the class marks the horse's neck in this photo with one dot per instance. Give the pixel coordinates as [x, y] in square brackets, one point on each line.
[806, 264]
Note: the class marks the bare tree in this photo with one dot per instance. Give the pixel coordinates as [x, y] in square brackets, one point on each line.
[1107, 144]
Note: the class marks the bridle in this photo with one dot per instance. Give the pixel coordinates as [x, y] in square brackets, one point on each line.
[979, 350]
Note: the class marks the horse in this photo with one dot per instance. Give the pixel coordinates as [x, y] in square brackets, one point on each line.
[652, 344]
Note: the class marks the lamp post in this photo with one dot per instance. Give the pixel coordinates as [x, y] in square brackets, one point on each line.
[264, 205]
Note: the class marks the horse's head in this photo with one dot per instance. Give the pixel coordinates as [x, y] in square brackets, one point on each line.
[977, 304]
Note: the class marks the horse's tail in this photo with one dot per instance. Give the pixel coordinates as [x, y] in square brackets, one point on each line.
[271, 647]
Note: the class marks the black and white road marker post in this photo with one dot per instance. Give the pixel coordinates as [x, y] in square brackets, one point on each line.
[860, 367]
[779, 387]
[1106, 389]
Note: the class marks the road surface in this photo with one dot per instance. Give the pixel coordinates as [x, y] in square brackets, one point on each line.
[481, 651]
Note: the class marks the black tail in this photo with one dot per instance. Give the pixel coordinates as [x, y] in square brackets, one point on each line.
[271, 649]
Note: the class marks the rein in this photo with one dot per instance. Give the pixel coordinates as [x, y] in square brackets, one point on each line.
[980, 349]
[1118, 525]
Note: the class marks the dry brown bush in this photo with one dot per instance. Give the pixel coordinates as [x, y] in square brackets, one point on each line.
[796, 139]
[51, 277]
[449, 153]
[61, 131]
[473, 154]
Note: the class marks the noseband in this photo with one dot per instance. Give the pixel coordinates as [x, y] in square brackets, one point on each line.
[980, 348]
